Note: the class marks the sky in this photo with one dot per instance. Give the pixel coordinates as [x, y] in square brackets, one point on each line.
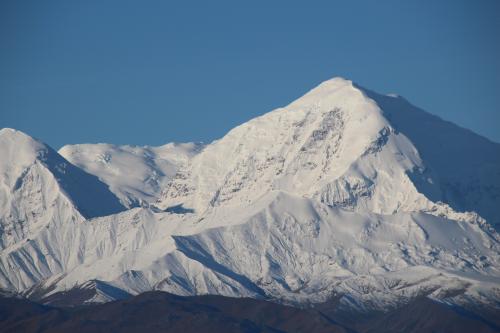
[152, 72]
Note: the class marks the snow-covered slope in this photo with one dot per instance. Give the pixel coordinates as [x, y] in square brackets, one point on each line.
[339, 195]
[38, 186]
[135, 174]
[466, 165]
[283, 247]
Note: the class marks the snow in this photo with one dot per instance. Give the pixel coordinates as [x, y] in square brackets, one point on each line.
[332, 196]
[464, 166]
[37, 186]
[135, 174]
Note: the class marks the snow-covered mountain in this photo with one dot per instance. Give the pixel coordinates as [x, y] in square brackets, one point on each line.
[38, 186]
[347, 147]
[135, 174]
[344, 194]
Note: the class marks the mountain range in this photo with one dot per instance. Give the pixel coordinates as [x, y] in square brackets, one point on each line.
[344, 197]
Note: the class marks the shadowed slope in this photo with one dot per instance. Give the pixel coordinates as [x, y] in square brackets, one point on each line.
[466, 164]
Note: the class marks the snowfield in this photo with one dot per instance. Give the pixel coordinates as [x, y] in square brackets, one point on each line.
[342, 195]
[134, 174]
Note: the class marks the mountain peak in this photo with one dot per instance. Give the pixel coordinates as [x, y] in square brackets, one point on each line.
[336, 81]
[7, 130]
[13, 134]
[37, 183]
[299, 148]
[19, 149]
[345, 146]
[335, 93]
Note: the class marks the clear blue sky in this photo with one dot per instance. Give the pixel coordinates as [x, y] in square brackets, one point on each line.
[151, 72]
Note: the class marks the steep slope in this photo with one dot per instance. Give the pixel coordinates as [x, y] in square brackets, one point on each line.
[135, 174]
[38, 189]
[466, 165]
